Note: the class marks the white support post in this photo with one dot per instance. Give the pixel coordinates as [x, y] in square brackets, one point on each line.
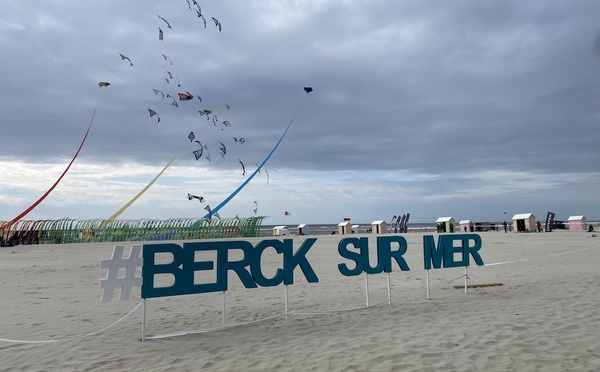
[223, 309]
[389, 289]
[144, 321]
[427, 283]
[466, 279]
[286, 302]
[367, 288]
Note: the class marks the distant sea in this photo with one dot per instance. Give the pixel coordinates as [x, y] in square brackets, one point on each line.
[327, 229]
[362, 228]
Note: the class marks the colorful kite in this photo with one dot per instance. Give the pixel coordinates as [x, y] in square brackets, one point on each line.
[129, 203]
[185, 96]
[103, 84]
[8, 224]
[198, 153]
[236, 191]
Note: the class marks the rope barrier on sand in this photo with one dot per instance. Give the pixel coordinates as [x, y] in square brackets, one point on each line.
[302, 312]
[293, 312]
[386, 301]
[537, 258]
[75, 337]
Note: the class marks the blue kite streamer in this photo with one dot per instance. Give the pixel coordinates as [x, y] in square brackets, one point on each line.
[222, 204]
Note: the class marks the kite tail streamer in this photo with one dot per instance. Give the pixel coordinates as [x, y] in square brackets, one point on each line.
[222, 204]
[118, 213]
[26, 211]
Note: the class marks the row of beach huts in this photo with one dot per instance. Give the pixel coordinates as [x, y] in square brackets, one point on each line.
[523, 222]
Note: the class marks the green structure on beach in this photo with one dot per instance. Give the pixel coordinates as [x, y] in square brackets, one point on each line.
[68, 230]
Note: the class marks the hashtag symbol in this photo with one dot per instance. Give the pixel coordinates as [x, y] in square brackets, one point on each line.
[126, 281]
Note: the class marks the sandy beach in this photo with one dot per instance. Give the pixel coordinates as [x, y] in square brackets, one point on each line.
[544, 317]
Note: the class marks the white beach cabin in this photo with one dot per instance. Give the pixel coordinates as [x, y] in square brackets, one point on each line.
[379, 227]
[303, 229]
[524, 222]
[280, 230]
[577, 223]
[344, 228]
[464, 225]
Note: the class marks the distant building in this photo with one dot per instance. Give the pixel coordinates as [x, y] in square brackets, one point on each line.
[303, 229]
[379, 227]
[280, 230]
[445, 224]
[464, 225]
[577, 223]
[524, 222]
[345, 227]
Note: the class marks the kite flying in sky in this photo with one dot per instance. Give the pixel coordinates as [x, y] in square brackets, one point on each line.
[185, 96]
[223, 150]
[167, 58]
[200, 198]
[243, 168]
[217, 23]
[156, 91]
[103, 84]
[308, 89]
[152, 113]
[168, 24]
[127, 58]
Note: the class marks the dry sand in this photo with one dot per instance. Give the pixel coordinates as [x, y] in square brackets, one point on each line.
[545, 317]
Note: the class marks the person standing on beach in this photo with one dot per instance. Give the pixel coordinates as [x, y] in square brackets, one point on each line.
[539, 226]
[504, 225]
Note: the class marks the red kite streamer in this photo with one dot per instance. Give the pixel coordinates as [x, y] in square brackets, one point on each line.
[55, 183]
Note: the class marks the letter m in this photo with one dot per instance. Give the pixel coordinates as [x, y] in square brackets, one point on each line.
[432, 254]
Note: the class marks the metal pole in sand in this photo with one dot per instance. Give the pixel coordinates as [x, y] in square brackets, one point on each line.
[367, 288]
[223, 310]
[427, 283]
[466, 278]
[144, 321]
[286, 301]
[389, 290]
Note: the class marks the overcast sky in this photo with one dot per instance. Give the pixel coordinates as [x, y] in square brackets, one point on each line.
[471, 109]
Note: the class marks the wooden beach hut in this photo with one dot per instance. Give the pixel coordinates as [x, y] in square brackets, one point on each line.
[465, 225]
[280, 230]
[577, 223]
[303, 229]
[344, 227]
[445, 224]
[379, 227]
[524, 222]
